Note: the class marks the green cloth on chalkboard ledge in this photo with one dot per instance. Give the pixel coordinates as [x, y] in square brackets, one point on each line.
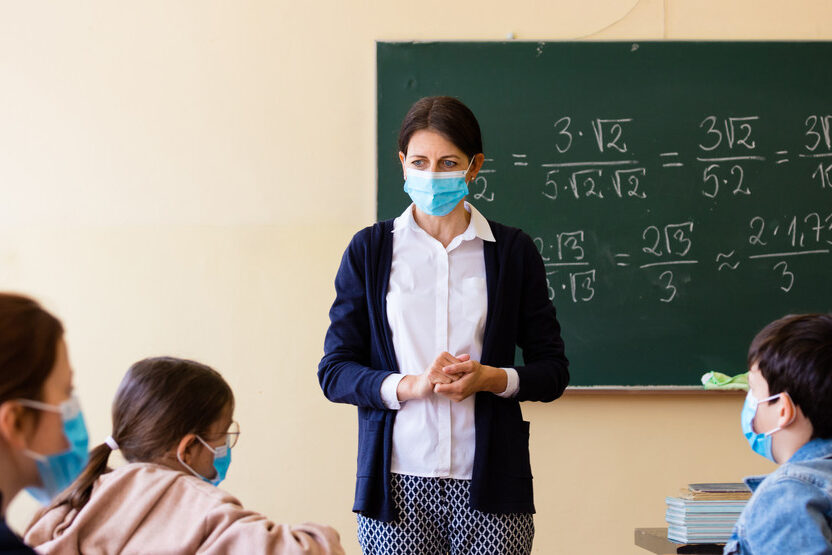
[718, 380]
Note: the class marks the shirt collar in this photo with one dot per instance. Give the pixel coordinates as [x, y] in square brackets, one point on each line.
[753, 482]
[477, 227]
[480, 224]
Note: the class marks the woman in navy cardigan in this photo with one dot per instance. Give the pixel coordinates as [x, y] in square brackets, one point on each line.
[429, 310]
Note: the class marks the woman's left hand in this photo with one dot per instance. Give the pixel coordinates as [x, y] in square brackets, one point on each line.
[471, 378]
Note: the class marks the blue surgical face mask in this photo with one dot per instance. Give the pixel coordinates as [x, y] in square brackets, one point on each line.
[59, 470]
[436, 193]
[760, 442]
[222, 460]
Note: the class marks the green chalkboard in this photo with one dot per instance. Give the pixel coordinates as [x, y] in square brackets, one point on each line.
[679, 192]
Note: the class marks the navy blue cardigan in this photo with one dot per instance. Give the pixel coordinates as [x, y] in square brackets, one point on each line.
[358, 355]
[9, 542]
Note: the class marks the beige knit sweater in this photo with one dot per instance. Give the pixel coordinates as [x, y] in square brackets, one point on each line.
[148, 508]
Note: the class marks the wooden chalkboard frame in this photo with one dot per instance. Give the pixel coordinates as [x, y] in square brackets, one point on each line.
[684, 390]
[738, 70]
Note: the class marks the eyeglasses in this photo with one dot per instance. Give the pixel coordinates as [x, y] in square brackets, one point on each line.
[233, 434]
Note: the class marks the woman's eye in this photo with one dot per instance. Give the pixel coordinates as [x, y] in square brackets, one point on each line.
[448, 163]
[416, 163]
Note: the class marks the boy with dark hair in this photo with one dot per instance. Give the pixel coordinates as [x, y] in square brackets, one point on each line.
[787, 418]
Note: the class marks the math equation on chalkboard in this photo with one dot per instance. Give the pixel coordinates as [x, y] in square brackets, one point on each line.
[726, 152]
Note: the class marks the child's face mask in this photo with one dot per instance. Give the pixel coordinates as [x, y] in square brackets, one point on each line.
[760, 442]
[222, 460]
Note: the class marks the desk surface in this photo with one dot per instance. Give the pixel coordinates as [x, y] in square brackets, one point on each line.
[655, 540]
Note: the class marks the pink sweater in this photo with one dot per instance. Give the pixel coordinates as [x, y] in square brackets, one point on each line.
[148, 508]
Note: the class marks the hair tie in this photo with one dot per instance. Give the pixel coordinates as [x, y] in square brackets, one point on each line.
[111, 443]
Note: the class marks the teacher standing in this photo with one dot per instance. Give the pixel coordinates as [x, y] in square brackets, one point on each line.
[429, 310]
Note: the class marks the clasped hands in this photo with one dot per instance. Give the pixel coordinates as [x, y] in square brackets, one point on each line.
[455, 377]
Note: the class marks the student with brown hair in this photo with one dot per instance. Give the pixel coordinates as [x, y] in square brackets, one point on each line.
[173, 423]
[43, 439]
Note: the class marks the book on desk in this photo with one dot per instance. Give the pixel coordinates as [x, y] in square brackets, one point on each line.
[705, 513]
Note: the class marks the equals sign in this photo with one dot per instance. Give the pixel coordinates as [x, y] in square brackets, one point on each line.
[622, 255]
[519, 159]
[667, 155]
[782, 155]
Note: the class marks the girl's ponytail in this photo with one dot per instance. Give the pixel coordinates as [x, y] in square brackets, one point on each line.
[78, 493]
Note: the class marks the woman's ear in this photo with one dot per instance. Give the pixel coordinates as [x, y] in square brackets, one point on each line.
[476, 165]
[401, 159]
[12, 429]
[184, 451]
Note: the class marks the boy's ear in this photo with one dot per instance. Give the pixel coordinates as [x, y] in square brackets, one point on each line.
[788, 411]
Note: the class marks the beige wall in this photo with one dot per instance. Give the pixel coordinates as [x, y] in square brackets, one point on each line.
[182, 177]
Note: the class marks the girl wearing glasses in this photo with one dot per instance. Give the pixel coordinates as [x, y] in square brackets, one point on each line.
[173, 423]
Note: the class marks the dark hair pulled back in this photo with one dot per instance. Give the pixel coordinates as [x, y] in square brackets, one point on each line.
[446, 115]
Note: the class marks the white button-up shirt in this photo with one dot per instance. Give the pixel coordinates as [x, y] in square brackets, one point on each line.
[436, 301]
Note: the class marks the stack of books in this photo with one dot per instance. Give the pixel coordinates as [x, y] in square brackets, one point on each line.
[705, 513]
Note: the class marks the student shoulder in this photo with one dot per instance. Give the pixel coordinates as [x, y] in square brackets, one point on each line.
[816, 473]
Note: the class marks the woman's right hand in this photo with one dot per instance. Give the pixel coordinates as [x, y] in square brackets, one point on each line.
[419, 386]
